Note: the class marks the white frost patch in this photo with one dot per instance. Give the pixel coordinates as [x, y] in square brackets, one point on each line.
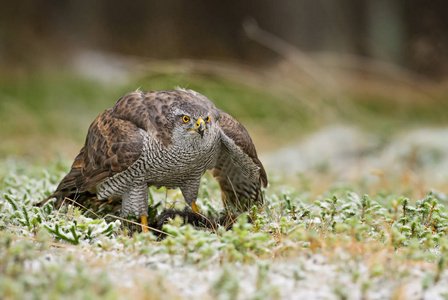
[349, 153]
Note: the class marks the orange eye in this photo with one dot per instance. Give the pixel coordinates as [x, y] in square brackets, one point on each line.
[207, 119]
[186, 119]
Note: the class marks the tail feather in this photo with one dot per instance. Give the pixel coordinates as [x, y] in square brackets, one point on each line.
[69, 185]
[42, 203]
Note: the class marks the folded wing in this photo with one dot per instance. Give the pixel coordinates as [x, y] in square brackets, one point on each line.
[238, 170]
[112, 145]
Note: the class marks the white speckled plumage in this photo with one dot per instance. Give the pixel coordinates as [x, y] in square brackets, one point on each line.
[181, 165]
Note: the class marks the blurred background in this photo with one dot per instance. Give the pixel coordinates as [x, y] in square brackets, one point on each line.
[342, 91]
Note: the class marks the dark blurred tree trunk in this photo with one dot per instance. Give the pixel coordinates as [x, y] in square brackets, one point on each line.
[427, 36]
[385, 21]
[357, 25]
[412, 33]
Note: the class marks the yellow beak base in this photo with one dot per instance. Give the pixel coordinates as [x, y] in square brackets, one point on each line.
[200, 126]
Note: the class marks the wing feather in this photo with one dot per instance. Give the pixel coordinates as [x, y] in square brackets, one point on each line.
[238, 170]
[112, 145]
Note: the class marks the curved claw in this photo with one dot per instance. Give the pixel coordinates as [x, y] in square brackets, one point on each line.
[194, 207]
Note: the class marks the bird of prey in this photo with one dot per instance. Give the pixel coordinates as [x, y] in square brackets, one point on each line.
[164, 138]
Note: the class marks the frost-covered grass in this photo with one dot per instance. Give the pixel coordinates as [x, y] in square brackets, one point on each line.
[340, 245]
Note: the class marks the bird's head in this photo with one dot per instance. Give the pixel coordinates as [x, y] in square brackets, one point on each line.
[194, 122]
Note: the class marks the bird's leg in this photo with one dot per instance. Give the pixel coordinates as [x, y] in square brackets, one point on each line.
[144, 224]
[135, 202]
[190, 193]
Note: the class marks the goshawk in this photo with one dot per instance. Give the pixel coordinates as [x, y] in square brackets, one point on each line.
[164, 138]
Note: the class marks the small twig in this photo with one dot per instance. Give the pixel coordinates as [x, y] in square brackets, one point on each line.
[430, 214]
[74, 201]
[232, 220]
[65, 215]
[211, 223]
[62, 204]
[404, 214]
[395, 211]
[138, 224]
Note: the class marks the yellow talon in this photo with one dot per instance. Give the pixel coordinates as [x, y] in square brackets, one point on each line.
[194, 207]
[144, 224]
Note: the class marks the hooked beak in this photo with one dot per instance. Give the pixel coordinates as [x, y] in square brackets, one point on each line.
[200, 127]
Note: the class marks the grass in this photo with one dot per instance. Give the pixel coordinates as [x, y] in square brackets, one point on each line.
[355, 244]
[315, 237]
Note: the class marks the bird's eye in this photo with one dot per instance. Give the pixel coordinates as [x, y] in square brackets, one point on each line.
[207, 119]
[186, 119]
